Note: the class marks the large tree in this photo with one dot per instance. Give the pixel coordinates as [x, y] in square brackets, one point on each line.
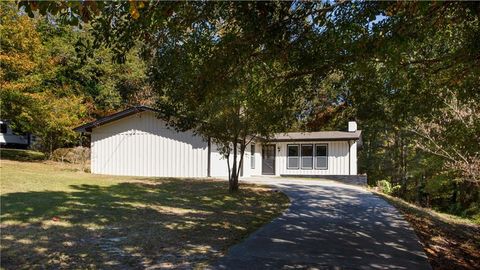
[27, 101]
[416, 99]
[229, 71]
[231, 111]
[217, 79]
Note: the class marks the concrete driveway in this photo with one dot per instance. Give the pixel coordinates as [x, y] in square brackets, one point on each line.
[329, 226]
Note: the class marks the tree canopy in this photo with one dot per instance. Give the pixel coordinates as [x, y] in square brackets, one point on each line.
[48, 87]
[408, 72]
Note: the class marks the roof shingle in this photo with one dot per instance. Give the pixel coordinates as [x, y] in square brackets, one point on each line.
[316, 136]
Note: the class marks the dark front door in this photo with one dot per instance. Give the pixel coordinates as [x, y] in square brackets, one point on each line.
[268, 159]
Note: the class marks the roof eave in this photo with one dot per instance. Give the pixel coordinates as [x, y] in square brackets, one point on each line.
[113, 117]
[313, 139]
[356, 136]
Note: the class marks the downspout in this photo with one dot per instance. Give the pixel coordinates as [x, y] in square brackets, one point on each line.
[209, 157]
[349, 158]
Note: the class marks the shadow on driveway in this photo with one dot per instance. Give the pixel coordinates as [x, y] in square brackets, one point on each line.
[330, 226]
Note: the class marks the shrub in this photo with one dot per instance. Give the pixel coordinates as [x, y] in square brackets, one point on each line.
[384, 186]
[395, 190]
[76, 155]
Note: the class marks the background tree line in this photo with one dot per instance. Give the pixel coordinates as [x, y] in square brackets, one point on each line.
[417, 100]
[407, 72]
[48, 83]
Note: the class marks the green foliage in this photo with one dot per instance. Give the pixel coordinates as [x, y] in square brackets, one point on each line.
[384, 186]
[31, 104]
[417, 103]
[210, 79]
[416, 100]
[48, 87]
[398, 68]
[242, 101]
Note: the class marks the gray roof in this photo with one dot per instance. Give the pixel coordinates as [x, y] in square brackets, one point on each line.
[278, 137]
[110, 118]
[316, 136]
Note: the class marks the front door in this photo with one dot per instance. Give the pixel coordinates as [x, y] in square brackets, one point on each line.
[268, 159]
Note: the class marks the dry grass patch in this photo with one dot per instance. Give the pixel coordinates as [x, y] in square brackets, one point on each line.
[56, 216]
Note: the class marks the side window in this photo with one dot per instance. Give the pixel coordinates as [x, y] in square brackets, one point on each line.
[307, 156]
[3, 128]
[252, 156]
[293, 161]
[321, 156]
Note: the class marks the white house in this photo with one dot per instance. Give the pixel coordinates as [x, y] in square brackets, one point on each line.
[135, 142]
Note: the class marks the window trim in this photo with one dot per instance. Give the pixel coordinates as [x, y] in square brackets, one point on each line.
[315, 165]
[297, 156]
[252, 156]
[312, 156]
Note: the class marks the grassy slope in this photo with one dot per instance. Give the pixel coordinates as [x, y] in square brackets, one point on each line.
[21, 155]
[53, 215]
[450, 242]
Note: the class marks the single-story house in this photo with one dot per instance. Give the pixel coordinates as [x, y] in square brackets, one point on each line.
[135, 142]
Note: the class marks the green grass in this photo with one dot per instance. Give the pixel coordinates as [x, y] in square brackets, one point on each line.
[21, 155]
[52, 214]
[450, 242]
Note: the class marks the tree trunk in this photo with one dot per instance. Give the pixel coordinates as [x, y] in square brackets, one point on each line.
[240, 162]
[418, 193]
[453, 198]
[50, 147]
[233, 179]
[402, 166]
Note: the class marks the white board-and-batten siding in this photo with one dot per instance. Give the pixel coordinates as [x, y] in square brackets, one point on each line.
[142, 145]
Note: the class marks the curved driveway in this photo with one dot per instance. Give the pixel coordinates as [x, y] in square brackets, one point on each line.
[329, 226]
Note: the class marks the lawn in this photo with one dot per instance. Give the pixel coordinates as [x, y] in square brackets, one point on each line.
[450, 242]
[56, 216]
[21, 155]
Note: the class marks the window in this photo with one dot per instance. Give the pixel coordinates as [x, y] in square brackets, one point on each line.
[321, 156]
[292, 157]
[307, 156]
[3, 128]
[252, 156]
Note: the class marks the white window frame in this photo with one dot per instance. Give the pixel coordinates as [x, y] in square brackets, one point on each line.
[312, 156]
[316, 156]
[297, 157]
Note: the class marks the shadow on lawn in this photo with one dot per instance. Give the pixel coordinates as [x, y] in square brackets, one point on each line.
[129, 225]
